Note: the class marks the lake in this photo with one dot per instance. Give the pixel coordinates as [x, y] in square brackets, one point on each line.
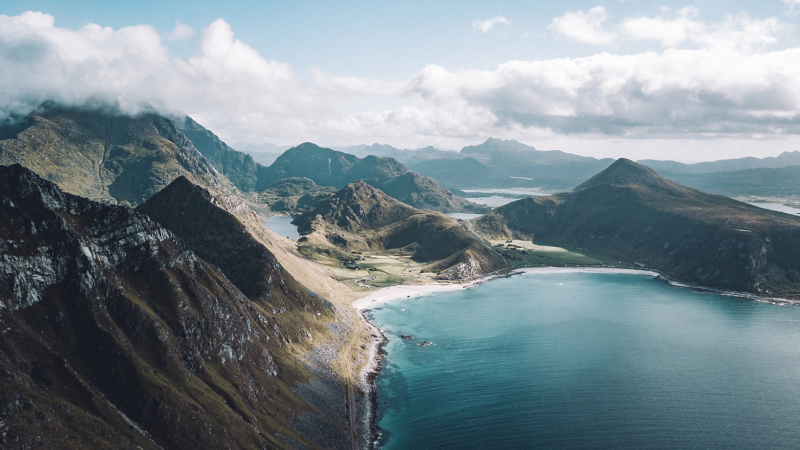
[283, 226]
[588, 360]
[492, 200]
[463, 216]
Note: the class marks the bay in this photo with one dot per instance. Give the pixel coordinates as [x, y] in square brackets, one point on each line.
[581, 360]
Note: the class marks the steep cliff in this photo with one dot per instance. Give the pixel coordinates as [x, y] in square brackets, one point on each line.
[116, 335]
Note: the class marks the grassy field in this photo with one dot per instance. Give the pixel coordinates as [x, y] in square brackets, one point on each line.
[541, 255]
[376, 269]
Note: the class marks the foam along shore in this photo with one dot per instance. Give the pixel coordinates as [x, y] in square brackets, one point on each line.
[587, 270]
[386, 294]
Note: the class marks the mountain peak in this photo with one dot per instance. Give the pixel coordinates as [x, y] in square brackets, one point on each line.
[355, 206]
[624, 172]
[492, 145]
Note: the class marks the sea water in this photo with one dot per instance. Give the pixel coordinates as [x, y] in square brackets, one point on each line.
[588, 361]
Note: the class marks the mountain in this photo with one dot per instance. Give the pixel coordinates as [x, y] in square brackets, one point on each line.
[101, 154]
[361, 217]
[239, 167]
[375, 150]
[293, 195]
[785, 159]
[117, 335]
[328, 167]
[766, 182]
[220, 238]
[509, 164]
[264, 154]
[463, 172]
[631, 213]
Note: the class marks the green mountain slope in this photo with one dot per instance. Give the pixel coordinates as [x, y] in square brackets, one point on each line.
[361, 217]
[98, 153]
[631, 213]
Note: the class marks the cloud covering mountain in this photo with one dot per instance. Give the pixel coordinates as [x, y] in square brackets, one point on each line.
[700, 80]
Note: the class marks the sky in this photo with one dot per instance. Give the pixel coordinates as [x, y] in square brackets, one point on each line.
[689, 81]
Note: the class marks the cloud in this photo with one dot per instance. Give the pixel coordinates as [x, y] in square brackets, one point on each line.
[685, 27]
[181, 32]
[711, 79]
[677, 92]
[485, 25]
[586, 27]
[669, 29]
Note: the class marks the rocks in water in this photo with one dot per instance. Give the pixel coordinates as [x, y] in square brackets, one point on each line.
[426, 344]
[407, 337]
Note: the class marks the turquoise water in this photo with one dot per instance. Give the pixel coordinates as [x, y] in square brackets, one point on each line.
[588, 361]
[283, 226]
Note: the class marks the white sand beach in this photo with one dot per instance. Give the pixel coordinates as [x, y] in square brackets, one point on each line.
[386, 294]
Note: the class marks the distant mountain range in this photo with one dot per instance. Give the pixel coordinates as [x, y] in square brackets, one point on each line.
[631, 213]
[510, 164]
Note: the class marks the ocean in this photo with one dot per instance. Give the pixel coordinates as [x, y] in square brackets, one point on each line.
[588, 361]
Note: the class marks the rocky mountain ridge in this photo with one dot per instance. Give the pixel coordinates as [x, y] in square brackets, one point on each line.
[631, 213]
[116, 335]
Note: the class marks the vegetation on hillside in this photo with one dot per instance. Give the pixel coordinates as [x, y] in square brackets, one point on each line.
[631, 213]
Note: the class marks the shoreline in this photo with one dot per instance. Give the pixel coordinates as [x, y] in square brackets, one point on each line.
[368, 378]
[387, 294]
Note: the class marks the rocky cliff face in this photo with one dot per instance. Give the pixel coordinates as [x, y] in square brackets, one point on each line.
[101, 154]
[205, 225]
[116, 335]
[631, 213]
[239, 167]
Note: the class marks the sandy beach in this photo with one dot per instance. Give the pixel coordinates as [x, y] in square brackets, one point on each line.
[383, 295]
[386, 294]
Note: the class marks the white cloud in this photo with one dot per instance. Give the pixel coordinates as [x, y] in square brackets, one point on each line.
[485, 25]
[181, 32]
[714, 88]
[686, 28]
[586, 27]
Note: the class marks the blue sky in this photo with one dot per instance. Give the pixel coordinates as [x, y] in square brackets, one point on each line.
[415, 73]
